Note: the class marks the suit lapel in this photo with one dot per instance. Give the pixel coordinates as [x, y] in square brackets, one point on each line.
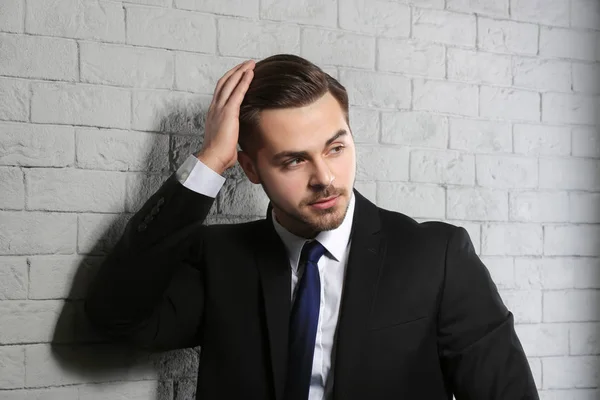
[275, 275]
[367, 252]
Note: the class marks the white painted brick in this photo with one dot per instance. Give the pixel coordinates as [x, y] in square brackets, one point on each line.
[81, 19]
[586, 142]
[37, 233]
[411, 57]
[140, 390]
[444, 27]
[571, 372]
[367, 189]
[12, 366]
[364, 124]
[553, 12]
[584, 207]
[159, 3]
[506, 171]
[544, 339]
[477, 67]
[12, 16]
[414, 128]
[332, 47]
[60, 277]
[445, 167]
[502, 270]
[13, 278]
[585, 14]
[515, 239]
[480, 136]
[584, 338]
[511, 104]
[36, 145]
[52, 393]
[169, 112]
[477, 204]
[122, 150]
[12, 189]
[576, 240]
[38, 57]
[526, 305]
[80, 105]
[485, 7]
[535, 364]
[375, 17]
[425, 201]
[541, 74]
[241, 8]
[200, 72]
[586, 272]
[382, 163]
[242, 198]
[14, 99]
[313, 12]
[126, 66]
[598, 47]
[427, 3]
[569, 173]
[45, 365]
[184, 145]
[573, 394]
[446, 97]
[28, 321]
[75, 190]
[98, 233]
[507, 36]
[545, 273]
[140, 186]
[586, 78]
[536, 206]
[569, 108]
[535, 140]
[171, 29]
[256, 39]
[567, 43]
[370, 89]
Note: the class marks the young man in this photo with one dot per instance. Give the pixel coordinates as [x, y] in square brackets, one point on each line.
[329, 297]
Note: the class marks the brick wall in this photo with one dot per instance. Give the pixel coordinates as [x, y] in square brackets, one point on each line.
[483, 113]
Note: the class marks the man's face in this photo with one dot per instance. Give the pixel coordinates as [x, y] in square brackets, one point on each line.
[307, 154]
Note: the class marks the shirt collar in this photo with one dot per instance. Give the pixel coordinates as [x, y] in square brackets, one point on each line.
[335, 241]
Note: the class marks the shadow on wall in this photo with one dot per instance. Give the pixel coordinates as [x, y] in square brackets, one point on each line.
[83, 356]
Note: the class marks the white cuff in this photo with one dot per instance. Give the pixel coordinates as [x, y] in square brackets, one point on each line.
[196, 176]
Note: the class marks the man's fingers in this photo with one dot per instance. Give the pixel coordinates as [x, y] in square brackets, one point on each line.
[228, 82]
[237, 96]
[233, 81]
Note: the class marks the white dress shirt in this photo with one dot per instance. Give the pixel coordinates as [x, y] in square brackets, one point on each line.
[196, 176]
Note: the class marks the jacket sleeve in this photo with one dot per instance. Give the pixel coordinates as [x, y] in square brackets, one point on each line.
[149, 289]
[481, 355]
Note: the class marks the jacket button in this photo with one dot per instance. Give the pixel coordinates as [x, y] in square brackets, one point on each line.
[154, 211]
[161, 201]
[142, 226]
[148, 218]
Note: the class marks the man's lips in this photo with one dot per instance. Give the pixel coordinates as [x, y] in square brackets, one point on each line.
[325, 199]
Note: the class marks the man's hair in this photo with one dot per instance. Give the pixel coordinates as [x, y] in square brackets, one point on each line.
[284, 81]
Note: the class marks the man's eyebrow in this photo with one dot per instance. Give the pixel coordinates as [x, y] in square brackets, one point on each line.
[304, 154]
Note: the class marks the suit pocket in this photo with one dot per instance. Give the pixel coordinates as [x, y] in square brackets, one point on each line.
[379, 325]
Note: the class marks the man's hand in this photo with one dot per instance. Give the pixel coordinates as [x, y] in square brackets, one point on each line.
[219, 151]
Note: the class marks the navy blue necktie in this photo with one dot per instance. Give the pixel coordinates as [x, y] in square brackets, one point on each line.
[303, 325]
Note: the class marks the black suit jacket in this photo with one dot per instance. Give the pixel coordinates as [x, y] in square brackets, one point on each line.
[420, 316]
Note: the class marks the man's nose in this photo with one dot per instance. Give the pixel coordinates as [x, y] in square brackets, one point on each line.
[322, 175]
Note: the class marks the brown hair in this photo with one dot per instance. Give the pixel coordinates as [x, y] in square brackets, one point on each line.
[284, 81]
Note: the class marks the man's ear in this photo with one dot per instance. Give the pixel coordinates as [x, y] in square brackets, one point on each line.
[248, 166]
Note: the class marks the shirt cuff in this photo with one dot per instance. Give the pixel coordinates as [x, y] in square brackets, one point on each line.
[197, 176]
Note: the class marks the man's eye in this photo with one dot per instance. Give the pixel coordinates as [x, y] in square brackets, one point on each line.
[291, 162]
[339, 148]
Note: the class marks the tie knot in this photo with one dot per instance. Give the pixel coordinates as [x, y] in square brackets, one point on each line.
[312, 251]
